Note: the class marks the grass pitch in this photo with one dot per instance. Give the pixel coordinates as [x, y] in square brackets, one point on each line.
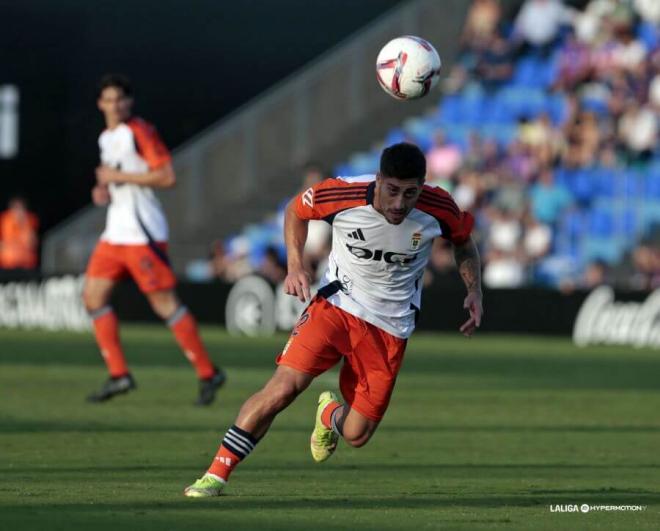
[487, 433]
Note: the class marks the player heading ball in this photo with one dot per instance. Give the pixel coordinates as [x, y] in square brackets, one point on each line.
[383, 227]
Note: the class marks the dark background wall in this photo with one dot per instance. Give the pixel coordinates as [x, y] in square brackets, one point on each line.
[191, 63]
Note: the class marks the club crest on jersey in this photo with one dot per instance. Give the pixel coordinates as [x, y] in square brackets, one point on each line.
[415, 241]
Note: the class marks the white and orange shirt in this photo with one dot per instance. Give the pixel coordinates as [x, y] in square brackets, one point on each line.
[135, 215]
[375, 268]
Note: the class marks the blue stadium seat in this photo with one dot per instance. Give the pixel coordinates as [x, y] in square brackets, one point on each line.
[421, 131]
[557, 108]
[630, 222]
[526, 72]
[649, 34]
[343, 170]
[608, 249]
[652, 182]
[395, 136]
[600, 222]
[450, 110]
[607, 182]
[650, 211]
[632, 185]
[583, 185]
[364, 162]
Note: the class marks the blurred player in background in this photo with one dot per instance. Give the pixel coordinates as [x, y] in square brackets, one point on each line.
[383, 228]
[134, 243]
[18, 236]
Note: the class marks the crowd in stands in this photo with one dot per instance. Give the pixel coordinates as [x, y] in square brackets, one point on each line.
[548, 133]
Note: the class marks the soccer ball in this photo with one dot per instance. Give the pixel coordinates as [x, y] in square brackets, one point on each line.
[408, 67]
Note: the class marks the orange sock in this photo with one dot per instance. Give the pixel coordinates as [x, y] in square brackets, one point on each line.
[223, 463]
[326, 414]
[235, 447]
[185, 331]
[106, 330]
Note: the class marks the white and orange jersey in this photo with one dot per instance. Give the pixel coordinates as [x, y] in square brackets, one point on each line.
[375, 268]
[135, 215]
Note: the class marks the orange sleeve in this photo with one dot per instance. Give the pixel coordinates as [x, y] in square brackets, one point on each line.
[456, 224]
[149, 144]
[327, 198]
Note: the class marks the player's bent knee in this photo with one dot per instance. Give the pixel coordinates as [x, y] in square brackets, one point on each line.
[91, 300]
[359, 441]
[358, 437]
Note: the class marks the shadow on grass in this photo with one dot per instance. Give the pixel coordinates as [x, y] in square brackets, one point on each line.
[13, 425]
[309, 469]
[398, 501]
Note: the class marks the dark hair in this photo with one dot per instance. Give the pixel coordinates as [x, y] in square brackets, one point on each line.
[403, 161]
[117, 81]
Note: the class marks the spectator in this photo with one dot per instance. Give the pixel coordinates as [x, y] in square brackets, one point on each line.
[646, 262]
[272, 267]
[494, 64]
[519, 162]
[481, 21]
[654, 94]
[18, 236]
[595, 274]
[648, 10]
[629, 52]
[574, 63]
[537, 240]
[443, 160]
[503, 270]
[467, 190]
[638, 132]
[538, 24]
[504, 233]
[548, 199]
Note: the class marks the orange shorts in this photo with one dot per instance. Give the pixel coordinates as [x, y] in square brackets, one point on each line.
[325, 334]
[147, 266]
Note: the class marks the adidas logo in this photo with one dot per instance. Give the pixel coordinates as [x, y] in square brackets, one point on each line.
[357, 235]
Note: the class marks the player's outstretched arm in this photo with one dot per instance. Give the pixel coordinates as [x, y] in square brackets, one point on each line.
[162, 177]
[469, 267]
[297, 280]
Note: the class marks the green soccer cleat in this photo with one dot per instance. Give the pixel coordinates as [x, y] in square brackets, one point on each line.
[323, 442]
[205, 487]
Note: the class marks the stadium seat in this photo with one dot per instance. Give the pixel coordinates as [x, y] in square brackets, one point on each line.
[607, 249]
[652, 183]
[607, 182]
[649, 34]
[600, 223]
[557, 107]
[394, 136]
[364, 162]
[583, 186]
[632, 185]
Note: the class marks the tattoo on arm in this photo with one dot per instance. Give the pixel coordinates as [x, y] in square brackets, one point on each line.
[469, 264]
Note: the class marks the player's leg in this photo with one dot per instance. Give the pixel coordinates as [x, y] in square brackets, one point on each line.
[149, 267]
[367, 380]
[103, 271]
[167, 306]
[351, 425]
[310, 351]
[254, 418]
